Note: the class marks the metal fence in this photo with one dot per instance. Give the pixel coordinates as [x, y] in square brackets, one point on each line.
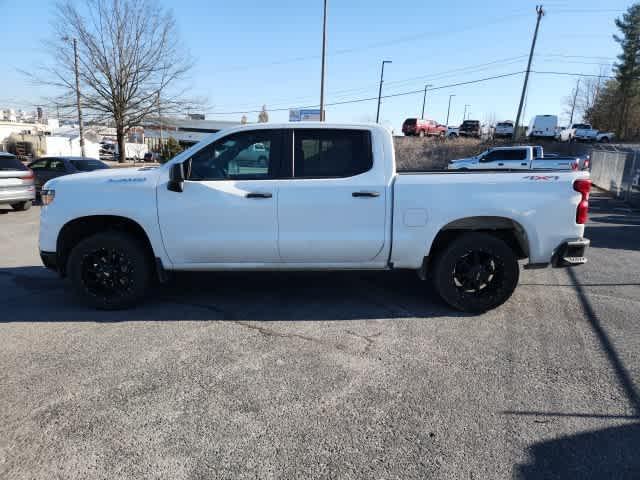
[617, 170]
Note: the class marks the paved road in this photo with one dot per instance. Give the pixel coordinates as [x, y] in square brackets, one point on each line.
[324, 375]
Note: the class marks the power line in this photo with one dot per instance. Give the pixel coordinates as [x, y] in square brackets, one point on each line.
[391, 95]
[573, 74]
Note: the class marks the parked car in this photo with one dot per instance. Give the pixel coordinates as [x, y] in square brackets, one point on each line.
[16, 183]
[543, 126]
[586, 133]
[329, 199]
[47, 168]
[516, 158]
[470, 128]
[421, 128]
[503, 130]
[453, 132]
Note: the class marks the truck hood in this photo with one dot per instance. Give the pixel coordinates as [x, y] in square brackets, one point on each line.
[106, 177]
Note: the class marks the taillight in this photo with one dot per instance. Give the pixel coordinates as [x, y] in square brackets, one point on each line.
[575, 164]
[583, 186]
[30, 176]
[586, 163]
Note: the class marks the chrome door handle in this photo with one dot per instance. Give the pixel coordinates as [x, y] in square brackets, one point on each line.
[500, 164]
[365, 194]
[258, 195]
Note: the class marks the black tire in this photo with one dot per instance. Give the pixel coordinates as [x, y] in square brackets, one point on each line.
[476, 272]
[22, 206]
[110, 270]
[604, 140]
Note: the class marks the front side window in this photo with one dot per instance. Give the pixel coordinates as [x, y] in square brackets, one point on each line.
[326, 153]
[57, 165]
[39, 165]
[240, 156]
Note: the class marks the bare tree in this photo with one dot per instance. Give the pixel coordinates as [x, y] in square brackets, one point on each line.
[263, 116]
[130, 61]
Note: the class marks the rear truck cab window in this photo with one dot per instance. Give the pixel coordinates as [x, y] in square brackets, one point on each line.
[313, 196]
[331, 153]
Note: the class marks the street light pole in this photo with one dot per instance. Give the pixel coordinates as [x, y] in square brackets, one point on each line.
[464, 117]
[324, 46]
[424, 99]
[380, 89]
[80, 124]
[449, 107]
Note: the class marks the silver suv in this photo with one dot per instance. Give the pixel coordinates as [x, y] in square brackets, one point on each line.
[16, 183]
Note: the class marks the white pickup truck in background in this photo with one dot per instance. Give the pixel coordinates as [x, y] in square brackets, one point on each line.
[328, 197]
[585, 133]
[516, 158]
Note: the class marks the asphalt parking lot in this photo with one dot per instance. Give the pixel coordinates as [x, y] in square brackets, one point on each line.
[324, 375]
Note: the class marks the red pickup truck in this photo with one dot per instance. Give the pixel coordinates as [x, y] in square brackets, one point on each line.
[420, 127]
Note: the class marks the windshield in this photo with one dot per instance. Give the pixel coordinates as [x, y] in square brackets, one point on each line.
[582, 126]
[88, 165]
[505, 124]
[11, 163]
[471, 123]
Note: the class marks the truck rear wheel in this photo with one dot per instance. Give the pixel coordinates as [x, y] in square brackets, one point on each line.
[110, 270]
[476, 272]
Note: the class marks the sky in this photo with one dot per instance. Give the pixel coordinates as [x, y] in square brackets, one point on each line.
[267, 52]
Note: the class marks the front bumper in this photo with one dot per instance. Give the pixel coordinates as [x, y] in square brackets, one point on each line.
[570, 253]
[49, 260]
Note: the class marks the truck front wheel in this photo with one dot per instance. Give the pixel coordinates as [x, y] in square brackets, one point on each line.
[110, 270]
[476, 272]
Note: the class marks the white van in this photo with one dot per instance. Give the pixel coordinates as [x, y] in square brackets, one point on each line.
[543, 126]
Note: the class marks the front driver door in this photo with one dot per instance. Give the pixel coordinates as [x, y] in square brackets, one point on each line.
[227, 210]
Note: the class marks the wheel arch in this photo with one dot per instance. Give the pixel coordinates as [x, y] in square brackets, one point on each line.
[507, 229]
[80, 228]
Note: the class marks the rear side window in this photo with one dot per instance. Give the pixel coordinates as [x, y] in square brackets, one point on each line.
[326, 153]
[11, 163]
[410, 121]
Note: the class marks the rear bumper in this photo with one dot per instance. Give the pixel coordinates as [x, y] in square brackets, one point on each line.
[16, 195]
[570, 253]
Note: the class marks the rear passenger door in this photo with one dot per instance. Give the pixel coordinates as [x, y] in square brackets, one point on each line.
[332, 209]
[512, 159]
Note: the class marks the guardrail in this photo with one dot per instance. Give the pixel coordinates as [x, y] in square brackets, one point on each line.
[617, 171]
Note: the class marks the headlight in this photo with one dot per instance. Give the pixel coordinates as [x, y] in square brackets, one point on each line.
[47, 196]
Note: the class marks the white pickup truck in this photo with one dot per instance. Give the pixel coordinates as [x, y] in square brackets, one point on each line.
[328, 197]
[584, 132]
[516, 158]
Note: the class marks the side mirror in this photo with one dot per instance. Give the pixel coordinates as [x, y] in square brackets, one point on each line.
[176, 178]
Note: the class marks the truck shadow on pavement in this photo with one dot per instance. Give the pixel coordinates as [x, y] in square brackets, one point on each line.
[607, 453]
[34, 294]
[611, 452]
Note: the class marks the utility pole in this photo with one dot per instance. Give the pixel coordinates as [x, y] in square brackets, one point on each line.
[380, 89]
[540, 13]
[464, 116]
[75, 62]
[573, 104]
[449, 107]
[424, 99]
[324, 47]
